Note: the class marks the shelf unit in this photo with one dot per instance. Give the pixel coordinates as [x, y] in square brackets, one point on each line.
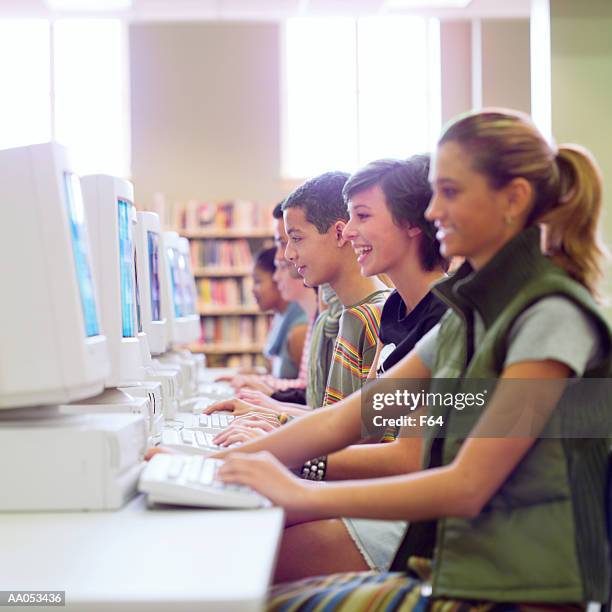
[228, 311]
[226, 349]
[220, 272]
[227, 233]
[240, 348]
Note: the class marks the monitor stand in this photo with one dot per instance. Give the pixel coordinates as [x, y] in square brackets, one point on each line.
[122, 400]
[56, 462]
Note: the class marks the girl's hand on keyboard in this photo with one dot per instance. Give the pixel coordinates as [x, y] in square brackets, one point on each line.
[257, 398]
[250, 381]
[268, 476]
[237, 407]
[256, 385]
[155, 450]
[267, 422]
[236, 434]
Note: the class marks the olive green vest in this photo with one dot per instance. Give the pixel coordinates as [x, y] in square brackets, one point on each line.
[542, 537]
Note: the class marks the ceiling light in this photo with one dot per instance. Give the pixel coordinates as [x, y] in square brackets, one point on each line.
[89, 5]
[425, 4]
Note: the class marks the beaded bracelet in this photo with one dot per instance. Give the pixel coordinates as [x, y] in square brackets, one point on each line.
[314, 469]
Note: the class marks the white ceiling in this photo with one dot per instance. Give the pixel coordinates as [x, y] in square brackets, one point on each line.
[272, 10]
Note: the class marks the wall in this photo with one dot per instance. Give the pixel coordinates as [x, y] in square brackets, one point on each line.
[581, 48]
[205, 108]
[506, 79]
[206, 101]
[456, 69]
[503, 70]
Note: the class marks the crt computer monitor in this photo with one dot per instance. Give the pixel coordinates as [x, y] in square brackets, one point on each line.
[190, 302]
[149, 302]
[178, 304]
[52, 347]
[112, 219]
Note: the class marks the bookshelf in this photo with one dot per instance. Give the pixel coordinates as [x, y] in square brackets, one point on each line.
[226, 349]
[225, 233]
[223, 239]
[219, 271]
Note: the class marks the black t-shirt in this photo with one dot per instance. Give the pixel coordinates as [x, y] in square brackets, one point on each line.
[403, 330]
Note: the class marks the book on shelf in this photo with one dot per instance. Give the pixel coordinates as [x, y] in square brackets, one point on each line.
[223, 238]
[226, 292]
[234, 330]
[213, 252]
[236, 214]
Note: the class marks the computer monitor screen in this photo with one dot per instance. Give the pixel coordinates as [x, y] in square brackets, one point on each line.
[189, 303]
[176, 283]
[138, 310]
[126, 259]
[153, 251]
[78, 235]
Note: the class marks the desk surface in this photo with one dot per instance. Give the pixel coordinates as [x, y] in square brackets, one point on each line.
[137, 559]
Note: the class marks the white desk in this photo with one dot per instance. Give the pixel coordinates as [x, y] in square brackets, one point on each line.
[138, 559]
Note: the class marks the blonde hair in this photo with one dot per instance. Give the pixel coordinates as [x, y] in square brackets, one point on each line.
[566, 182]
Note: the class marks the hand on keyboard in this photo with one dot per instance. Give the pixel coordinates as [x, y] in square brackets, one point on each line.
[250, 381]
[237, 407]
[246, 428]
[156, 450]
[189, 441]
[265, 474]
[212, 423]
[237, 435]
[192, 481]
[257, 398]
[257, 385]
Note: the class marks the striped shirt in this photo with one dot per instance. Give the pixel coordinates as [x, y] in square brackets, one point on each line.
[355, 347]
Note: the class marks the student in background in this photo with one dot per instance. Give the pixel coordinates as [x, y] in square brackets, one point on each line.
[254, 408]
[387, 200]
[504, 520]
[291, 290]
[315, 216]
[285, 340]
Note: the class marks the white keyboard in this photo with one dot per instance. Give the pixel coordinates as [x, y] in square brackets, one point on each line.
[210, 423]
[191, 481]
[216, 420]
[195, 405]
[189, 441]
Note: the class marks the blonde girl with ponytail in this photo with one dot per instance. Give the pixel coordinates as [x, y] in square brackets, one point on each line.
[498, 520]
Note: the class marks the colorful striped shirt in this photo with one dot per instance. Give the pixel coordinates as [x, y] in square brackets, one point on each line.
[355, 347]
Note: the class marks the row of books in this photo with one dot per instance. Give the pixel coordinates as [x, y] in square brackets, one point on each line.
[235, 330]
[226, 292]
[238, 214]
[221, 253]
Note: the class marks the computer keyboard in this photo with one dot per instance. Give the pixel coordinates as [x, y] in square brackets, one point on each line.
[210, 423]
[189, 441]
[195, 405]
[216, 420]
[192, 481]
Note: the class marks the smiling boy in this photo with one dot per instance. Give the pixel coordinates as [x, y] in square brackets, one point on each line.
[315, 215]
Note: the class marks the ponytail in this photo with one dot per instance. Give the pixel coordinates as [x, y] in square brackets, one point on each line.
[572, 237]
[567, 185]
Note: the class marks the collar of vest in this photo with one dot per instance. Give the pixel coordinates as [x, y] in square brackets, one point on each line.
[489, 289]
